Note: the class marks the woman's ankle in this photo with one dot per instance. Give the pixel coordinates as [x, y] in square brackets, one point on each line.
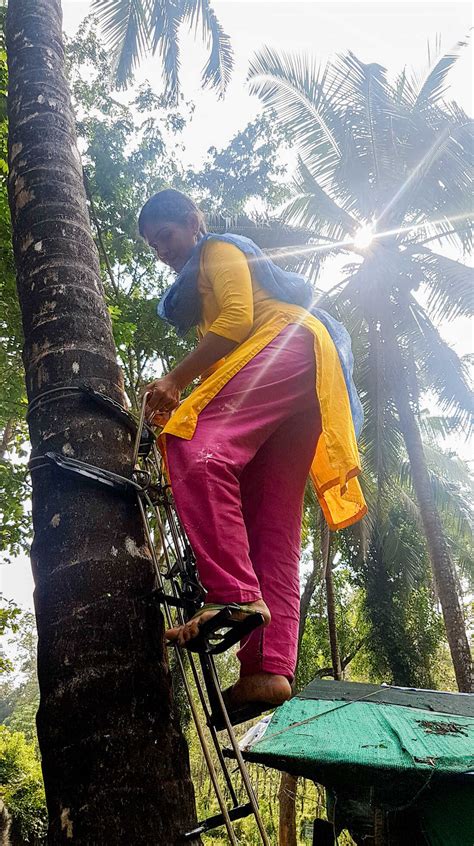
[260, 687]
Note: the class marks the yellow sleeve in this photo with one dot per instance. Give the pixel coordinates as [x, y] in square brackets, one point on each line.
[228, 272]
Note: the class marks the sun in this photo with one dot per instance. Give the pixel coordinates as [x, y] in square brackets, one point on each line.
[364, 236]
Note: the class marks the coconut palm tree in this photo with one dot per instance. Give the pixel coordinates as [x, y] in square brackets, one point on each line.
[384, 175]
[114, 761]
[135, 27]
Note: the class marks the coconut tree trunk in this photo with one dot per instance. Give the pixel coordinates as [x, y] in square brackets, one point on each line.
[115, 764]
[442, 565]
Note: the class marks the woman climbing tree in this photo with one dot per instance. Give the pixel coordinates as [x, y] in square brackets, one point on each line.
[275, 403]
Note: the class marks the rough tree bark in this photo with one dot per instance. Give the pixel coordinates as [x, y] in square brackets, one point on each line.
[114, 761]
[441, 563]
[287, 803]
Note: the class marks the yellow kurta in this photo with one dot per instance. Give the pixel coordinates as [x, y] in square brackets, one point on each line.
[238, 308]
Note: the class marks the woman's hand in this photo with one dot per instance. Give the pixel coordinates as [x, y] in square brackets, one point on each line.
[163, 396]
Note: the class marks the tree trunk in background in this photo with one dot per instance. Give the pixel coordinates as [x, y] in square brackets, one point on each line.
[289, 783]
[114, 761]
[442, 565]
[309, 587]
[287, 805]
[330, 601]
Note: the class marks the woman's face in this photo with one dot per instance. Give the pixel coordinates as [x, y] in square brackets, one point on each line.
[172, 242]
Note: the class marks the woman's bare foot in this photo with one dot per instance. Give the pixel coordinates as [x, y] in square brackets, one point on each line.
[182, 634]
[259, 687]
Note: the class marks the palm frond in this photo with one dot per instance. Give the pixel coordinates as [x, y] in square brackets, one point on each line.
[453, 504]
[451, 468]
[434, 86]
[441, 369]
[126, 28]
[217, 71]
[380, 440]
[165, 21]
[450, 286]
[369, 111]
[435, 426]
[437, 186]
[295, 87]
[271, 234]
[314, 209]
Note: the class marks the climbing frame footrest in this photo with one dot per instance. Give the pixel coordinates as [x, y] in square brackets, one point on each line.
[237, 813]
[222, 631]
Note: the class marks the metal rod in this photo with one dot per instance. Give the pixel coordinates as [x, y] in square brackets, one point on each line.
[138, 436]
[238, 755]
[177, 530]
[197, 723]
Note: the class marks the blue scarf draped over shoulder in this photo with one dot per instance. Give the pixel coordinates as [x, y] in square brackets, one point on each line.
[181, 303]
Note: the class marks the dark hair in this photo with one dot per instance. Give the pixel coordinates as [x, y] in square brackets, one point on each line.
[170, 205]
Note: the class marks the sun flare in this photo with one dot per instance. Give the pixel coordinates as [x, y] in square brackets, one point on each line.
[364, 236]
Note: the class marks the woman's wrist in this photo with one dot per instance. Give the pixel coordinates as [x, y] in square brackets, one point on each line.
[177, 378]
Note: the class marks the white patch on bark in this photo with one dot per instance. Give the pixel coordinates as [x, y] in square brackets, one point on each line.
[16, 150]
[43, 376]
[55, 521]
[23, 198]
[100, 435]
[132, 548]
[40, 99]
[27, 242]
[38, 246]
[75, 367]
[67, 449]
[66, 823]
[114, 551]
[76, 153]
[28, 119]
[46, 307]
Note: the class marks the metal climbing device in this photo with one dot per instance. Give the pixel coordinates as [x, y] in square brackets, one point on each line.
[181, 594]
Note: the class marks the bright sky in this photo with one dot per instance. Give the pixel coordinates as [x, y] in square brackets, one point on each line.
[392, 34]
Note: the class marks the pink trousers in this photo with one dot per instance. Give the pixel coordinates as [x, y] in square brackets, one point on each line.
[238, 486]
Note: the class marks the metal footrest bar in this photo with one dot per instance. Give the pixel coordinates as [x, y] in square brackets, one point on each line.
[237, 813]
[221, 632]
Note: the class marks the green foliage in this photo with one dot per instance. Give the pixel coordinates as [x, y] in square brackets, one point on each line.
[392, 157]
[405, 629]
[374, 154]
[315, 651]
[130, 151]
[249, 168]
[19, 692]
[21, 783]
[21, 786]
[13, 484]
[388, 625]
[8, 621]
